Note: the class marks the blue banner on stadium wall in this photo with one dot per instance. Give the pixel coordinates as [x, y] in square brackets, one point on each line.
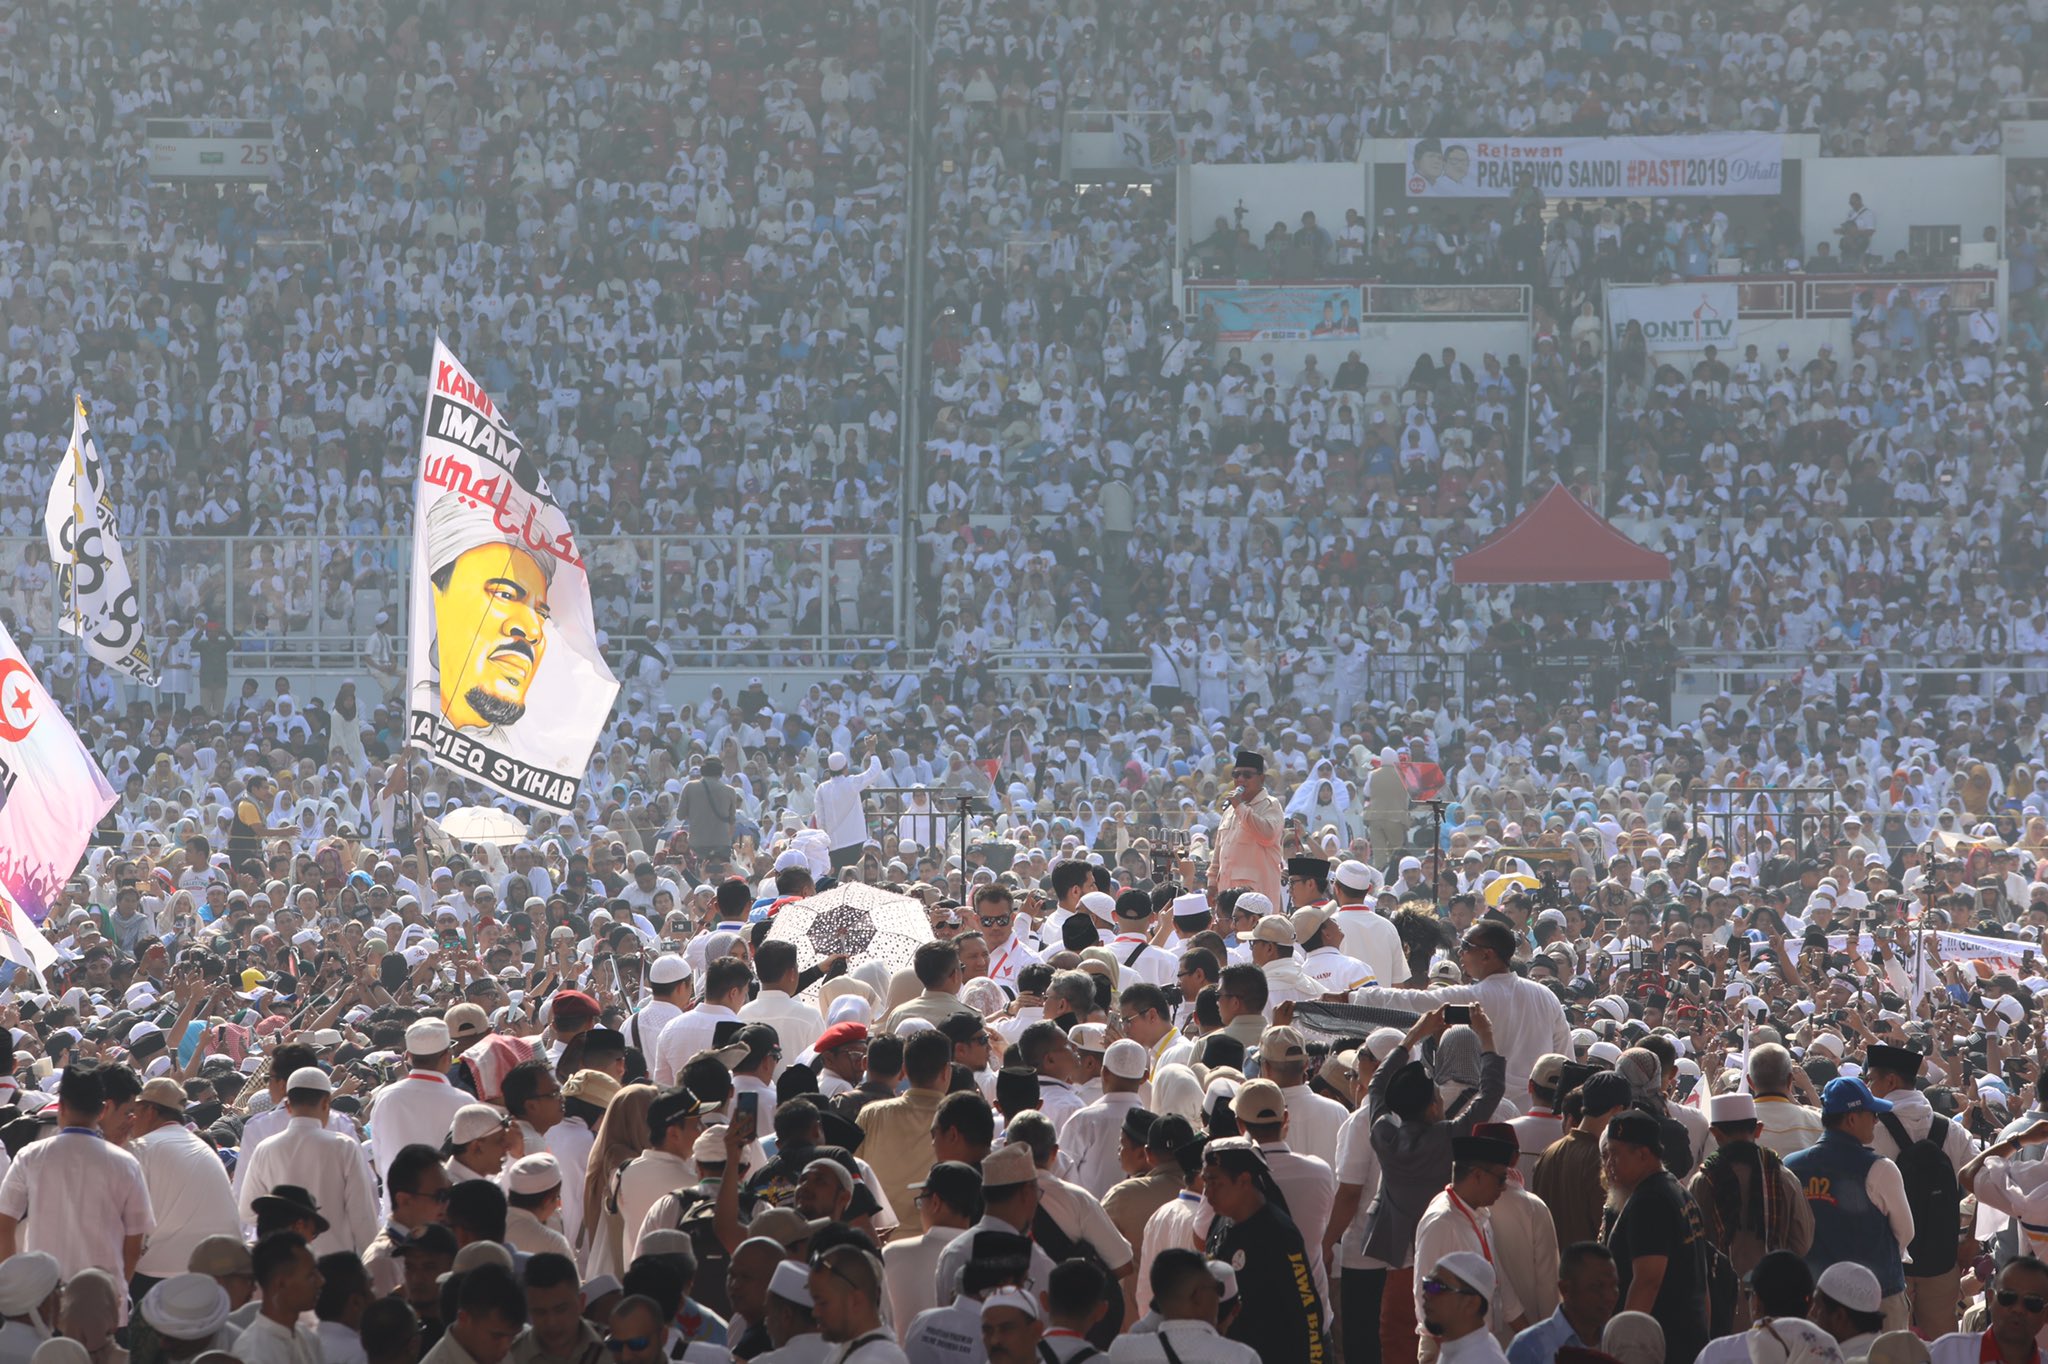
[1280, 312]
[1596, 167]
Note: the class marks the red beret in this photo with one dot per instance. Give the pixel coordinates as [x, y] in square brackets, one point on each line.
[574, 1004]
[840, 1034]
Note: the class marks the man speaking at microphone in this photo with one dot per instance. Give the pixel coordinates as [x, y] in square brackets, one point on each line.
[1248, 841]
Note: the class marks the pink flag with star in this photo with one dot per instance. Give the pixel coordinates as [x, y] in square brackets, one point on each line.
[52, 794]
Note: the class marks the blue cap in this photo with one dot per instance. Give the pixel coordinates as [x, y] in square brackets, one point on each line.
[1850, 1095]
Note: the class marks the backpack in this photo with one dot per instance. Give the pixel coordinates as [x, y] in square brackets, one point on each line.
[1676, 1139]
[1932, 1192]
[1054, 1241]
[696, 1218]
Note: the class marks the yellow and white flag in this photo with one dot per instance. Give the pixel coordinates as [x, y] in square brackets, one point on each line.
[506, 682]
[101, 603]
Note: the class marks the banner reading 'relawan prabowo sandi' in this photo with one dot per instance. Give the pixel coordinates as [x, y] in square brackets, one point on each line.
[506, 682]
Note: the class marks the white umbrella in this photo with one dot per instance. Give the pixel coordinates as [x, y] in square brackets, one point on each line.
[484, 824]
[854, 921]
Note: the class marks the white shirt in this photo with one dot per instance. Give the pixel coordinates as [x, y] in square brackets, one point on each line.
[78, 1197]
[870, 1349]
[1313, 1123]
[1477, 1348]
[1959, 1347]
[646, 1178]
[645, 1027]
[1182, 1223]
[418, 1109]
[1006, 961]
[1916, 1115]
[797, 1025]
[1525, 1249]
[941, 1335]
[327, 1165]
[19, 1342]
[1059, 1101]
[188, 1192]
[953, 1257]
[910, 1271]
[1080, 1215]
[338, 1344]
[839, 811]
[525, 1232]
[2019, 1189]
[571, 1141]
[1194, 1342]
[1310, 1188]
[1528, 1022]
[1534, 1132]
[1091, 1139]
[1357, 1163]
[271, 1121]
[1789, 1126]
[805, 1349]
[1337, 971]
[1136, 955]
[1450, 1224]
[1370, 937]
[265, 1342]
[687, 1034]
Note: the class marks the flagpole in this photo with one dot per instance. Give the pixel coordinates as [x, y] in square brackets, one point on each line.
[79, 696]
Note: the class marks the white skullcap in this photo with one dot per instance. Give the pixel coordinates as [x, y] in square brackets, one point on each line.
[25, 1280]
[1253, 902]
[60, 1350]
[186, 1307]
[1470, 1270]
[1016, 1299]
[792, 1283]
[453, 529]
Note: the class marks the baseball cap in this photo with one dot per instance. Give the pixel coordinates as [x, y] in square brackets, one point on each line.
[1259, 1101]
[1847, 1094]
[474, 1120]
[1282, 1043]
[1308, 921]
[1276, 929]
[466, 1022]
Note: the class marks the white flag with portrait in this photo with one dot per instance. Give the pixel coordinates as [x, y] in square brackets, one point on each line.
[506, 683]
[101, 603]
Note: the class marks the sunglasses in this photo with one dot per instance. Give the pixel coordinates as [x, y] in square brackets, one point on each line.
[619, 1345]
[2033, 1302]
[1434, 1287]
[996, 920]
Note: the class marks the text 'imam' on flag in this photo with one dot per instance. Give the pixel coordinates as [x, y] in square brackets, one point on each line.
[506, 682]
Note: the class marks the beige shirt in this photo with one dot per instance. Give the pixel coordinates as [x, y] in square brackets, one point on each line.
[1248, 847]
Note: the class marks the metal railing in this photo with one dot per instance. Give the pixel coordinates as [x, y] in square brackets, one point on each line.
[312, 601]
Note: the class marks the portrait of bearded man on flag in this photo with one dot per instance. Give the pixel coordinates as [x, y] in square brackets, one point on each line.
[490, 615]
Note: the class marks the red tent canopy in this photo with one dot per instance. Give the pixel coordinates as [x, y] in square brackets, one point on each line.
[1560, 540]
